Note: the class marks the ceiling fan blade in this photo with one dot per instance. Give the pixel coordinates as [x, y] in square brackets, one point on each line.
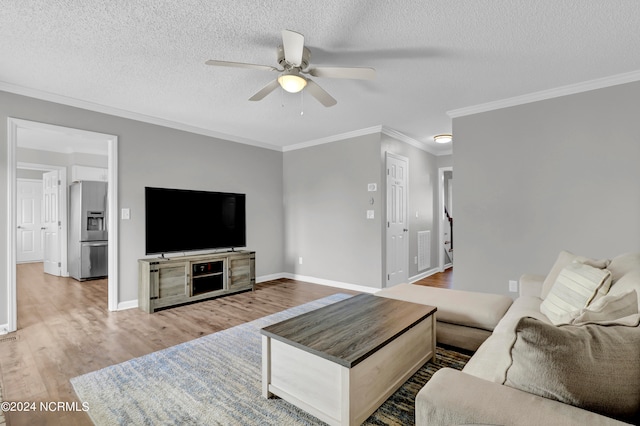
[293, 45]
[241, 65]
[320, 94]
[344, 72]
[265, 91]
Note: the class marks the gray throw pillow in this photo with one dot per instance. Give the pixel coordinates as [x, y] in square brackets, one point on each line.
[591, 366]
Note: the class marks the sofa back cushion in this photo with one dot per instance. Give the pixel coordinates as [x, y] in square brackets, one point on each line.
[590, 366]
[623, 264]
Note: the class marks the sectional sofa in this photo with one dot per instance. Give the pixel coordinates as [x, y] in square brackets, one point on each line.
[565, 352]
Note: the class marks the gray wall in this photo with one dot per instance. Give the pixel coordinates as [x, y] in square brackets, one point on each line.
[535, 179]
[159, 156]
[326, 200]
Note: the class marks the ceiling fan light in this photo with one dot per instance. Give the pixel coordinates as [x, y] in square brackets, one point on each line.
[443, 138]
[292, 83]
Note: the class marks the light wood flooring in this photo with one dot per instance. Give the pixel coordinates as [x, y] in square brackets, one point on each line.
[65, 330]
[442, 280]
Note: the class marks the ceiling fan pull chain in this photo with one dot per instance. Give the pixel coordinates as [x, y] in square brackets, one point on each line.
[302, 102]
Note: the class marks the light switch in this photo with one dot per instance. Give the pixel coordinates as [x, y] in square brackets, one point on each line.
[372, 187]
[126, 214]
[370, 214]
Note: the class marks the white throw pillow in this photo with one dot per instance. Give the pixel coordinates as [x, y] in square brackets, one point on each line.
[575, 288]
[565, 258]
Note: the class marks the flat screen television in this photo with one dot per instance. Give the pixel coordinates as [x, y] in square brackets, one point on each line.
[179, 220]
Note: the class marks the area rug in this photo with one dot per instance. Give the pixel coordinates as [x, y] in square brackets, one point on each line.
[216, 380]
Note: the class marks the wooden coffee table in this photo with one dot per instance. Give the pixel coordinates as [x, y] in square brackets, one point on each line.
[342, 361]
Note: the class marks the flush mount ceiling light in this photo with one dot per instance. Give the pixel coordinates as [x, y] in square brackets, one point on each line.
[443, 138]
[291, 81]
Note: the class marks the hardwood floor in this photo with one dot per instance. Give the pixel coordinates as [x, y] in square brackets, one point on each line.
[65, 330]
[442, 279]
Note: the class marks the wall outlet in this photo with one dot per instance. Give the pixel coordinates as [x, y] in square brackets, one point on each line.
[300, 260]
[370, 214]
[126, 214]
[513, 286]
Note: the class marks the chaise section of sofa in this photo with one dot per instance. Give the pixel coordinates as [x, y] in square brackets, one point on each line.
[465, 319]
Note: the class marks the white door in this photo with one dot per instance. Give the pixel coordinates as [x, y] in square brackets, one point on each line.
[51, 222]
[29, 235]
[397, 226]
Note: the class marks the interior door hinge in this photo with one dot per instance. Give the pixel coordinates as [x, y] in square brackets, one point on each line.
[59, 264]
[59, 182]
[388, 277]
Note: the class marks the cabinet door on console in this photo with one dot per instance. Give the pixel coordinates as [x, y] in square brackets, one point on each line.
[172, 280]
[240, 272]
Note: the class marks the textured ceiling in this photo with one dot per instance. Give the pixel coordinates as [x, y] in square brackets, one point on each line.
[147, 57]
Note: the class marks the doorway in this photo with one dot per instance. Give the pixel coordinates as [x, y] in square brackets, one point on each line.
[17, 128]
[50, 234]
[445, 216]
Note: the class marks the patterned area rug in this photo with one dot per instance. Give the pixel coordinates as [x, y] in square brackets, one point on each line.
[216, 380]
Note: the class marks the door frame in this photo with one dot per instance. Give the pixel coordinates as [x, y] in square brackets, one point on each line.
[62, 197]
[13, 124]
[441, 216]
[389, 154]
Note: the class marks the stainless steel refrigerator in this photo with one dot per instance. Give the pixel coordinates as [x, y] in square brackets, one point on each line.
[88, 234]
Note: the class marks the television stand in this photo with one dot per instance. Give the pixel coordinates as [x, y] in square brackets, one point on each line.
[168, 282]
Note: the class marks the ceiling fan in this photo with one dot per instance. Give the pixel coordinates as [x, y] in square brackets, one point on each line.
[294, 57]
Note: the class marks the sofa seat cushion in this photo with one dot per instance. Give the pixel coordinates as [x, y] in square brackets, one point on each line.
[493, 358]
[466, 308]
[591, 366]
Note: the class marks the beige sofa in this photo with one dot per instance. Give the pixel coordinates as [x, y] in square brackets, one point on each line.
[537, 370]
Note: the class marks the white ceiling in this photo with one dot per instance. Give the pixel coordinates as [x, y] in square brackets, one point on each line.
[146, 57]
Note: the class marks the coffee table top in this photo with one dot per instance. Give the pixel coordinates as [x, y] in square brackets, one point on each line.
[347, 332]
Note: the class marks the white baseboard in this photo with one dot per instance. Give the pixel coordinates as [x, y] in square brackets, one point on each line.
[330, 283]
[130, 304]
[424, 274]
[270, 277]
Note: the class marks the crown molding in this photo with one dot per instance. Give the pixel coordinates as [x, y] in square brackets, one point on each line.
[409, 140]
[105, 109]
[333, 138]
[415, 143]
[367, 131]
[570, 89]
[118, 112]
